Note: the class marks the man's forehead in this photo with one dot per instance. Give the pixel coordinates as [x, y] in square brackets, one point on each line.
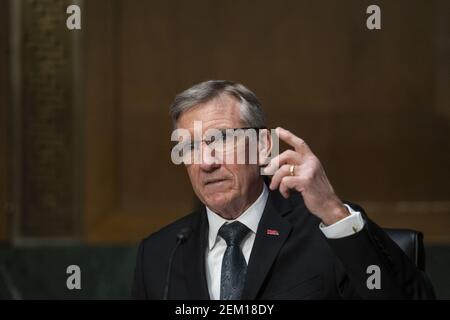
[217, 113]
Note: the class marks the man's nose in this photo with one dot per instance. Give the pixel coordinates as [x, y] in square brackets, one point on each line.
[209, 160]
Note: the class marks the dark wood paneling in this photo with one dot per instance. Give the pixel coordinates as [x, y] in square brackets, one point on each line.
[100, 140]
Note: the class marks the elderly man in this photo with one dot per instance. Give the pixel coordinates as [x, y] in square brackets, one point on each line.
[289, 237]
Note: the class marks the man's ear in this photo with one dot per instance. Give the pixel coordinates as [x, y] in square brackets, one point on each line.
[264, 147]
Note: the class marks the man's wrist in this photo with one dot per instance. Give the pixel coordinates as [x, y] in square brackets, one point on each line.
[337, 213]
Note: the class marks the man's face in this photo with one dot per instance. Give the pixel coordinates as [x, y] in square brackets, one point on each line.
[224, 188]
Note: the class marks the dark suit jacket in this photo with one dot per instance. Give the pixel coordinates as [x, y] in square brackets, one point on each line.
[299, 263]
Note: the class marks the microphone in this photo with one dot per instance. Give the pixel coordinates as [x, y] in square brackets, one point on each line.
[182, 236]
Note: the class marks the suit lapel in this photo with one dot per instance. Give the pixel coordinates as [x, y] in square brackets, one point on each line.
[273, 231]
[194, 258]
[264, 252]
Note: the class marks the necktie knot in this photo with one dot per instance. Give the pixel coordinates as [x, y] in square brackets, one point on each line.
[233, 233]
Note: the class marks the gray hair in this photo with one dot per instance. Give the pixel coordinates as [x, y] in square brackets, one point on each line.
[251, 111]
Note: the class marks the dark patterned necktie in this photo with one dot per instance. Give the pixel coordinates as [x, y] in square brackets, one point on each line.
[234, 266]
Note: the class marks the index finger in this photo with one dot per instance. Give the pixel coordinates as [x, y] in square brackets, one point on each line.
[297, 143]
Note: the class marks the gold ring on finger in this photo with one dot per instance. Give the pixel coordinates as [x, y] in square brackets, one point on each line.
[291, 170]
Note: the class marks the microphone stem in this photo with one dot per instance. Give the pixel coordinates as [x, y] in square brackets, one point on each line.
[169, 269]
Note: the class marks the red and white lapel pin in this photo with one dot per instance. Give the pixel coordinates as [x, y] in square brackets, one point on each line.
[272, 232]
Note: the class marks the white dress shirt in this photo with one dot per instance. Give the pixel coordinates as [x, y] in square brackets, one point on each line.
[250, 218]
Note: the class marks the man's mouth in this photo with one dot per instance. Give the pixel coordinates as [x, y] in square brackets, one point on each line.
[212, 181]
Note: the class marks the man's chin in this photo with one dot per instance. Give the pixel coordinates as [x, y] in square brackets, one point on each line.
[218, 200]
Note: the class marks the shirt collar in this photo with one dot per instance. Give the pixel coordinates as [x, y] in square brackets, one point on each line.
[250, 217]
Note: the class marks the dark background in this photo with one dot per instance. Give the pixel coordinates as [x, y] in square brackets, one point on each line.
[85, 169]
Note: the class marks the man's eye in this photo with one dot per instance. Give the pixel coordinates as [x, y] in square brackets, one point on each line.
[212, 140]
[221, 137]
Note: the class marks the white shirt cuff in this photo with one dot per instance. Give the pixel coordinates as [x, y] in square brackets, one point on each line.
[344, 227]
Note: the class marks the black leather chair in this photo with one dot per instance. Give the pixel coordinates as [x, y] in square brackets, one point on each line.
[411, 242]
